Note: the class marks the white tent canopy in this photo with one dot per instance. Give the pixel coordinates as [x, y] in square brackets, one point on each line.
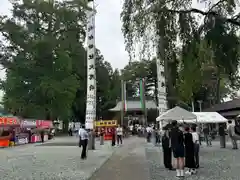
[206, 117]
[177, 114]
[209, 117]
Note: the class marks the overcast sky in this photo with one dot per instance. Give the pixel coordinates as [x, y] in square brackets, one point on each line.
[109, 38]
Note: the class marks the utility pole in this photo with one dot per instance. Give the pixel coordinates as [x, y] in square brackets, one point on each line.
[200, 105]
[193, 107]
[91, 75]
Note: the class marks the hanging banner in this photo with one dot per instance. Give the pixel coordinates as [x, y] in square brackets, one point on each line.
[9, 121]
[28, 123]
[91, 72]
[162, 98]
[44, 124]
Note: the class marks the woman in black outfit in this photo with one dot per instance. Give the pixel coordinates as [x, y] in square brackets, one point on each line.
[189, 152]
[167, 151]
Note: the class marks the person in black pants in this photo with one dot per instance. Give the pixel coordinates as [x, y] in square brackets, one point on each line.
[42, 136]
[83, 136]
[189, 152]
[113, 136]
[221, 132]
[84, 148]
[196, 138]
[167, 151]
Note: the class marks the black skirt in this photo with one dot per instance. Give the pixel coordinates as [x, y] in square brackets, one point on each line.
[189, 157]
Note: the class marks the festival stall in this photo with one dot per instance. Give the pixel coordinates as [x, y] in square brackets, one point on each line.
[177, 114]
[26, 131]
[209, 117]
[8, 128]
[106, 126]
[43, 126]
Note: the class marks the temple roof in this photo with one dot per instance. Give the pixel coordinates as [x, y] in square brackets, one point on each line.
[134, 105]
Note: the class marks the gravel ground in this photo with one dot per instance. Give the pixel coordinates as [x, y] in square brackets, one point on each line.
[216, 164]
[56, 160]
[135, 160]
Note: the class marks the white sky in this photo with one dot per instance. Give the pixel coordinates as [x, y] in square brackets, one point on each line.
[109, 38]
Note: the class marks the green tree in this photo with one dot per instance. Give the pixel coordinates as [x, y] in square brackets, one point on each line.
[184, 42]
[43, 41]
[136, 70]
[108, 86]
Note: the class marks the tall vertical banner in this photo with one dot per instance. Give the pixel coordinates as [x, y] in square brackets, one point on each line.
[162, 99]
[123, 100]
[125, 95]
[142, 94]
[91, 71]
[142, 97]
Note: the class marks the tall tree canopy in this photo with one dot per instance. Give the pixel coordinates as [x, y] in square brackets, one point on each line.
[45, 61]
[199, 48]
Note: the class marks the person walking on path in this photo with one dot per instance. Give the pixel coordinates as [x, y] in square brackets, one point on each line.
[177, 144]
[206, 134]
[189, 152]
[42, 136]
[157, 137]
[83, 136]
[221, 132]
[149, 133]
[196, 140]
[119, 134]
[198, 131]
[102, 136]
[113, 131]
[167, 151]
[232, 134]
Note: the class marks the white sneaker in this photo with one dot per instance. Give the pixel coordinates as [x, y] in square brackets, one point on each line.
[181, 173]
[193, 171]
[188, 172]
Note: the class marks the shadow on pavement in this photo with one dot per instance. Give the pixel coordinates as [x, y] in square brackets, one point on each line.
[59, 144]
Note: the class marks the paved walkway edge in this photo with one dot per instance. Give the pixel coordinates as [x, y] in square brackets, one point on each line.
[101, 164]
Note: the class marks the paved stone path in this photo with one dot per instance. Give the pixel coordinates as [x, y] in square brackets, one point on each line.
[127, 163]
[56, 160]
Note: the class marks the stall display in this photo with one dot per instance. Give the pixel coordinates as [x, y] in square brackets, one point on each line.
[44, 125]
[25, 132]
[107, 126]
[21, 139]
[8, 126]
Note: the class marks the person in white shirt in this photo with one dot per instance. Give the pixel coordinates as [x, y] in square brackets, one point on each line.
[119, 131]
[196, 137]
[83, 141]
[149, 133]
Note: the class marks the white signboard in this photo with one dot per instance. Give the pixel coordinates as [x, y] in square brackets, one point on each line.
[27, 123]
[162, 100]
[91, 73]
